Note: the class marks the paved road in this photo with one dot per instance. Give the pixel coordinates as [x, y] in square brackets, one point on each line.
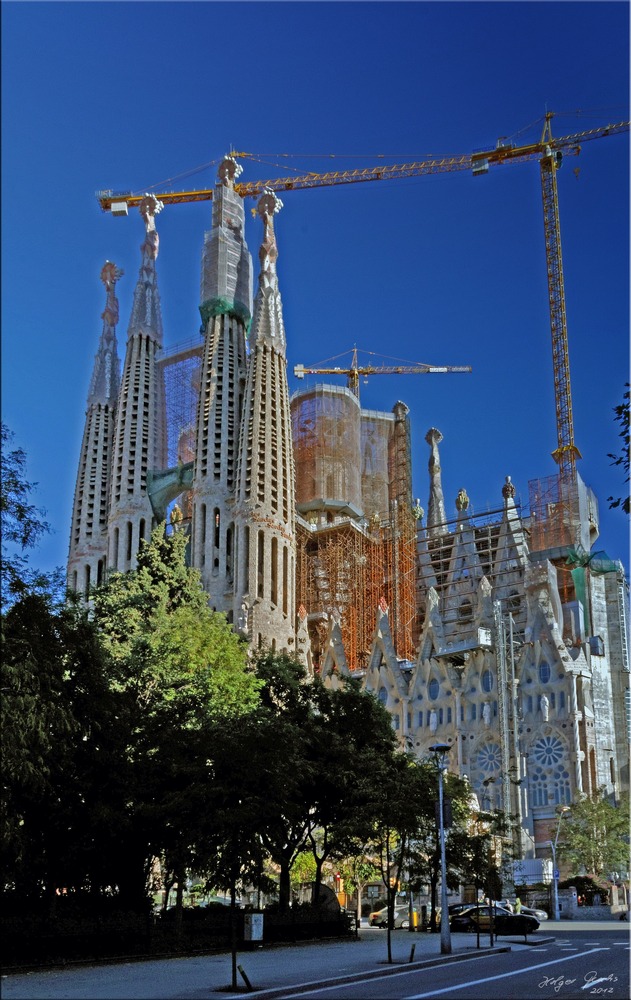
[572, 967]
[285, 971]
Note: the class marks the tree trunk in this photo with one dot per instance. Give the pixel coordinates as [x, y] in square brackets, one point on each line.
[233, 931]
[317, 882]
[284, 886]
[179, 904]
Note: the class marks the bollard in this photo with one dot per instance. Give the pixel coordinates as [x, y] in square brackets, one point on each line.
[412, 950]
[244, 977]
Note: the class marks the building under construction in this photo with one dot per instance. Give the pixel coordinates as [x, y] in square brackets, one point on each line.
[499, 633]
[356, 531]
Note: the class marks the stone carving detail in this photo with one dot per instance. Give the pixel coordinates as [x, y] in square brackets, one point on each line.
[436, 516]
[149, 208]
[110, 274]
[418, 511]
[486, 714]
[267, 207]
[433, 721]
[462, 500]
[544, 704]
[229, 170]
[244, 615]
[508, 490]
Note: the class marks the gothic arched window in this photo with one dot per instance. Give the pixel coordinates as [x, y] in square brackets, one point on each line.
[550, 780]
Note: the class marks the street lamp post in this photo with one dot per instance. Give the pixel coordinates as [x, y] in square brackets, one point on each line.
[440, 750]
[555, 870]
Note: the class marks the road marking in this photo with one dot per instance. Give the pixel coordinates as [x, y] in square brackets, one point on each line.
[339, 985]
[503, 975]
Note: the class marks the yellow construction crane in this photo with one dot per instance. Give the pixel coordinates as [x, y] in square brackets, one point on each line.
[549, 150]
[356, 371]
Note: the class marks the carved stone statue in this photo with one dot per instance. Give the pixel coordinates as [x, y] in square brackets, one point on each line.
[508, 490]
[544, 704]
[433, 721]
[462, 500]
[243, 617]
[486, 714]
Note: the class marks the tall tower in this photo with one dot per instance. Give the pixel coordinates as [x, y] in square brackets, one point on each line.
[140, 434]
[226, 297]
[265, 496]
[87, 553]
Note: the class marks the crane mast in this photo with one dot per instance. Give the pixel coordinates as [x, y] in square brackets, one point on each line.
[566, 451]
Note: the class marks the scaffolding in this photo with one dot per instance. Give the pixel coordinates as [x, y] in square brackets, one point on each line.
[180, 367]
[457, 599]
[357, 538]
[554, 515]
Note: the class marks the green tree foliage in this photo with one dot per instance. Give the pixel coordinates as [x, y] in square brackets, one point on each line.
[622, 417]
[60, 758]
[103, 713]
[595, 836]
[180, 666]
[295, 774]
[22, 525]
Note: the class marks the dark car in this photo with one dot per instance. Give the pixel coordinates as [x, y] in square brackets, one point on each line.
[479, 918]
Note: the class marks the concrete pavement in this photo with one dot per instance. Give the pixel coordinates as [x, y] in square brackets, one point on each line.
[271, 969]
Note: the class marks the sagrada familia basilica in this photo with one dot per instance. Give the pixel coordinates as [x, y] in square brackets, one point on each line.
[503, 634]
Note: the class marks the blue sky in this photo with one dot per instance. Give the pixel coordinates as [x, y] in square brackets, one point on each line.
[447, 269]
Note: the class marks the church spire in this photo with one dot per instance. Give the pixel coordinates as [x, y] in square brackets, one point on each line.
[436, 516]
[226, 305]
[140, 435]
[146, 315]
[267, 324]
[265, 497]
[106, 373]
[88, 533]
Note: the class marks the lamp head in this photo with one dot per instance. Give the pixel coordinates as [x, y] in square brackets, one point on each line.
[440, 748]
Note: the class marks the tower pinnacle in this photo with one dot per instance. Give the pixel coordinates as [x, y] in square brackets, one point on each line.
[140, 433]
[88, 533]
[265, 490]
[436, 516]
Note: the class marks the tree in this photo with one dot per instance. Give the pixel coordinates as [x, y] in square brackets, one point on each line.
[622, 417]
[62, 756]
[351, 736]
[596, 837]
[398, 804]
[175, 666]
[22, 525]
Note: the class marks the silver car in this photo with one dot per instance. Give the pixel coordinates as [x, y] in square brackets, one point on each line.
[401, 917]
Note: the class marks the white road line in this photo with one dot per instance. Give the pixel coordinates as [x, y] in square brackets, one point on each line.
[503, 975]
[355, 982]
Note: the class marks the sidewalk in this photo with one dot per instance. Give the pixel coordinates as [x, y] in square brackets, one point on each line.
[272, 968]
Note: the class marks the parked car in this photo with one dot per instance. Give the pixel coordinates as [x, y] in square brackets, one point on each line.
[531, 911]
[479, 918]
[380, 917]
